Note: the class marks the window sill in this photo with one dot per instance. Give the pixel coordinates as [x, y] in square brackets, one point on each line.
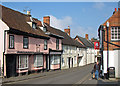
[38, 66]
[25, 48]
[115, 40]
[11, 48]
[22, 68]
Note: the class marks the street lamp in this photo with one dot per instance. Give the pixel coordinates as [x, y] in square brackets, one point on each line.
[107, 24]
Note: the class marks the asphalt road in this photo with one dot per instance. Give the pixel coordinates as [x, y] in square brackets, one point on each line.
[73, 76]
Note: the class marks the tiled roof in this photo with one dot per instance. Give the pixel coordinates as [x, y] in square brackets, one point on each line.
[114, 20]
[87, 43]
[18, 21]
[67, 39]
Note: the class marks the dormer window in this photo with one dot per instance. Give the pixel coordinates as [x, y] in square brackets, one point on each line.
[44, 29]
[34, 25]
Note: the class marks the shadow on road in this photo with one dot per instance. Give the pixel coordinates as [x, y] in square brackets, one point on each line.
[107, 82]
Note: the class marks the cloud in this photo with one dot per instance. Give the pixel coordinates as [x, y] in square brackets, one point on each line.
[81, 31]
[99, 5]
[61, 23]
[76, 29]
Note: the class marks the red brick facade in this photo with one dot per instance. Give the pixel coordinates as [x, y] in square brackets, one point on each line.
[114, 21]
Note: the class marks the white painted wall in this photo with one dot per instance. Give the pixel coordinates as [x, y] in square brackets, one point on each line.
[3, 27]
[73, 51]
[90, 55]
[117, 63]
[111, 60]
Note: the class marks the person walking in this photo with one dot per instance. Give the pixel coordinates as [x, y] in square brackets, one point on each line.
[96, 69]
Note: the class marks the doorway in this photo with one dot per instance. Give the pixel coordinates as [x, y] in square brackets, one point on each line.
[69, 62]
[72, 62]
[10, 65]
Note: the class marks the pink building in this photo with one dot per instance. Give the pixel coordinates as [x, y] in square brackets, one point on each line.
[27, 46]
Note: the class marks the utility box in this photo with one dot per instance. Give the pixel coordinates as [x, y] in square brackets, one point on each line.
[111, 72]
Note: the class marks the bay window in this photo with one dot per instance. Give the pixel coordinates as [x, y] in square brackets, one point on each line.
[55, 59]
[22, 62]
[38, 60]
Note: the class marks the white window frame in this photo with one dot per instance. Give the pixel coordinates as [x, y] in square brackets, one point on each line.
[19, 62]
[38, 58]
[11, 41]
[34, 25]
[113, 32]
[45, 44]
[55, 59]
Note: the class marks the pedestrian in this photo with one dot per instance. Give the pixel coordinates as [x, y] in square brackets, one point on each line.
[96, 69]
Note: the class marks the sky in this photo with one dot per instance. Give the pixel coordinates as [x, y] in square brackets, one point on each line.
[82, 17]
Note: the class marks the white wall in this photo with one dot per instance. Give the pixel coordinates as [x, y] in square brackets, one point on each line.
[117, 63]
[72, 52]
[3, 27]
[90, 55]
[111, 60]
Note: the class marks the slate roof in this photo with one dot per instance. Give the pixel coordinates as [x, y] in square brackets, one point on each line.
[86, 42]
[18, 21]
[67, 40]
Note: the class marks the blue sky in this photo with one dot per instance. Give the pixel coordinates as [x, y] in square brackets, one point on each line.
[82, 17]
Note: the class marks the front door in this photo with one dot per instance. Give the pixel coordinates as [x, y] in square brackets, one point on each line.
[47, 62]
[69, 62]
[10, 65]
[72, 62]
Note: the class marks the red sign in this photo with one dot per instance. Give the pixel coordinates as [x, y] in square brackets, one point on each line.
[96, 45]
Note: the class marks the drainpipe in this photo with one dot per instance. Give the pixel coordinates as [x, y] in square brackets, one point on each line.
[107, 48]
[4, 51]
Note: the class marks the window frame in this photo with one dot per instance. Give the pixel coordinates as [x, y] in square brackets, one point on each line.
[45, 29]
[13, 42]
[27, 43]
[45, 45]
[55, 59]
[115, 33]
[36, 58]
[57, 44]
[19, 62]
[34, 24]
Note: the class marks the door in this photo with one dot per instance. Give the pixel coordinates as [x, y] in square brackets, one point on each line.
[69, 62]
[79, 61]
[72, 62]
[10, 65]
[47, 62]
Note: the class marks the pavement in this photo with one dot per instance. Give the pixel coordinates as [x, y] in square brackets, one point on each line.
[73, 76]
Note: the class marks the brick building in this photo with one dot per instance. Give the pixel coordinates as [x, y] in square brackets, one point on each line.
[111, 42]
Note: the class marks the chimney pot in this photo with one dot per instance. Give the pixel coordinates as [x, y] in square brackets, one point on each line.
[115, 9]
[86, 36]
[67, 30]
[46, 20]
[28, 13]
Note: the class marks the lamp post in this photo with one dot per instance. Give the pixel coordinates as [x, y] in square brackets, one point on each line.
[107, 24]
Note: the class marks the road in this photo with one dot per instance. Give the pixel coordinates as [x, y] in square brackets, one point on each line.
[73, 76]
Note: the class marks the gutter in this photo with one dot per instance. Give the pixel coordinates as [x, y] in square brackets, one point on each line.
[4, 50]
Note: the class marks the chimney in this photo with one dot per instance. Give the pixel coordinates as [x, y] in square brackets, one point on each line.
[86, 36]
[118, 9]
[46, 20]
[115, 9]
[28, 13]
[67, 30]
